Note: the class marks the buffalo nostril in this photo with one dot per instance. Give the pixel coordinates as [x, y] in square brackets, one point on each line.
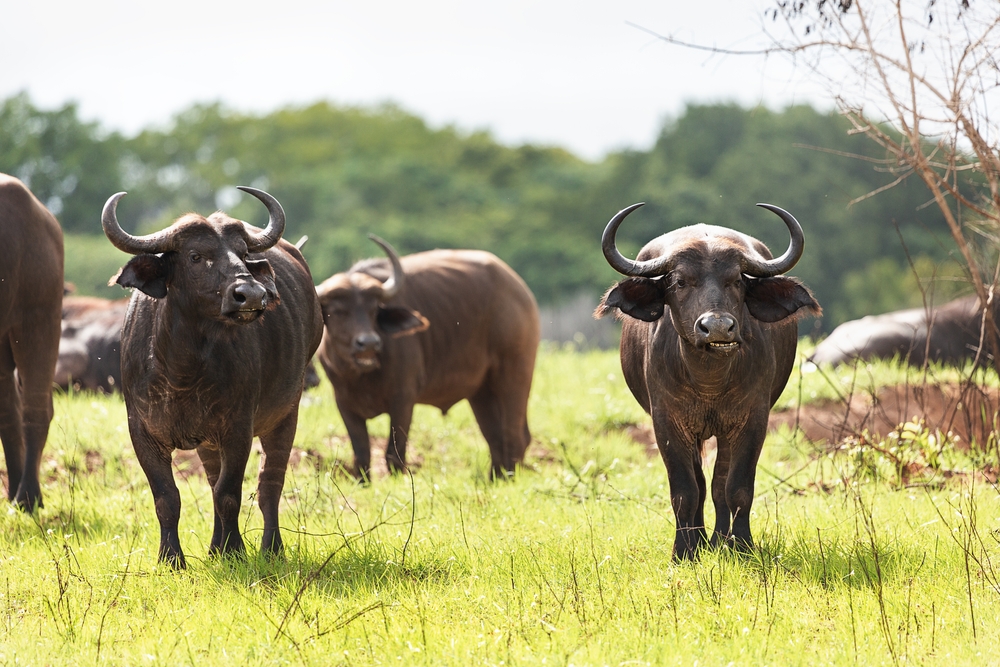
[249, 296]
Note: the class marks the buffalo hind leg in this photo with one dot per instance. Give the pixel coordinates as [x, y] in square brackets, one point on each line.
[277, 446]
[740, 483]
[400, 418]
[11, 432]
[501, 407]
[212, 463]
[35, 354]
[720, 476]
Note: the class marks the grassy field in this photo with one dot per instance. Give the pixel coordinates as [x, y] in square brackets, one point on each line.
[569, 564]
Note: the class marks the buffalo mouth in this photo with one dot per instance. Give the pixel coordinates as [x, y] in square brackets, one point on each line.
[724, 347]
[366, 360]
[245, 316]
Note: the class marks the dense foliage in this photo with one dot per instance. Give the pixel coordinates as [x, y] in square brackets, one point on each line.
[344, 172]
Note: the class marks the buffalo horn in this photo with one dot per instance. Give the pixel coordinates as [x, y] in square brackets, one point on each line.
[759, 267]
[161, 241]
[624, 265]
[390, 287]
[261, 241]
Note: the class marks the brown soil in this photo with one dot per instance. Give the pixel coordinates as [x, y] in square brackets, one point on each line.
[967, 412]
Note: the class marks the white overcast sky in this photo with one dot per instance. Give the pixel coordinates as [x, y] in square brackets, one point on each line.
[556, 72]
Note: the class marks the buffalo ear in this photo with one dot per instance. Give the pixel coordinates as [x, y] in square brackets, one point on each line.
[774, 299]
[147, 273]
[396, 321]
[262, 272]
[641, 298]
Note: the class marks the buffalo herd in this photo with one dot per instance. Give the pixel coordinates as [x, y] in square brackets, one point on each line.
[215, 346]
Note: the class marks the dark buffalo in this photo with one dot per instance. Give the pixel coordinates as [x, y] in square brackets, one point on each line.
[708, 341]
[433, 328]
[949, 334]
[31, 289]
[214, 349]
[90, 347]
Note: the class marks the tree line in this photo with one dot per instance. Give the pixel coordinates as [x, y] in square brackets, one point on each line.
[343, 172]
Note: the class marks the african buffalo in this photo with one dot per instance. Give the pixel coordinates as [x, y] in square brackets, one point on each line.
[708, 341]
[90, 346]
[214, 347]
[949, 334]
[31, 289]
[431, 328]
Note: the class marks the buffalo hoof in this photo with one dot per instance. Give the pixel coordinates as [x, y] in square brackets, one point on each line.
[395, 466]
[28, 499]
[175, 561]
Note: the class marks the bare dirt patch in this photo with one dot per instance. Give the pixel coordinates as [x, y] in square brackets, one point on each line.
[969, 412]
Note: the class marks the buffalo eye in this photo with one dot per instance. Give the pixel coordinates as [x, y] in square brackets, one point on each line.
[194, 257]
[680, 282]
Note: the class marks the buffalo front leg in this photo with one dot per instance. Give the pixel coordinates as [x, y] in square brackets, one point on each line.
[742, 473]
[400, 416]
[277, 446]
[357, 431]
[687, 488]
[154, 458]
[227, 495]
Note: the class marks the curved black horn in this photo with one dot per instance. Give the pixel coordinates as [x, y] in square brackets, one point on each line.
[390, 287]
[624, 265]
[261, 241]
[765, 268]
[161, 241]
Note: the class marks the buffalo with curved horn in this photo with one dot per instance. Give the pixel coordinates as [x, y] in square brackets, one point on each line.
[433, 328]
[214, 349]
[708, 341]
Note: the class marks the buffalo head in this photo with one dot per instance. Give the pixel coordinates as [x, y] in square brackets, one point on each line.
[710, 278]
[357, 313]
[205, 263]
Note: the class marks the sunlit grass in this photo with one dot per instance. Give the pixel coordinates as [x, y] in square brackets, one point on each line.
[568, 564]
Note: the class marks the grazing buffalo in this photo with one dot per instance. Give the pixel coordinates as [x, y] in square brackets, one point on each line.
[90, 347]
[708, 341]
[31, 289]
[949, 334]
[431, 328]
[214, 349]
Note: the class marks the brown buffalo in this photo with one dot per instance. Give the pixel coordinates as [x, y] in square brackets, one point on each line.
[90, 346]
[708, 341]
[214, 349]
[31, 288]
[950, 334]
[432, 328]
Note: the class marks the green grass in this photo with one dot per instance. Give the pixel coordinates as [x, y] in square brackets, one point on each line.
[569, 564]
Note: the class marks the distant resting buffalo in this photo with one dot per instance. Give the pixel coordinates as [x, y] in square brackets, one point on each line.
[90, 346]
[31, 288]
[948, 334]
[432, 328]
